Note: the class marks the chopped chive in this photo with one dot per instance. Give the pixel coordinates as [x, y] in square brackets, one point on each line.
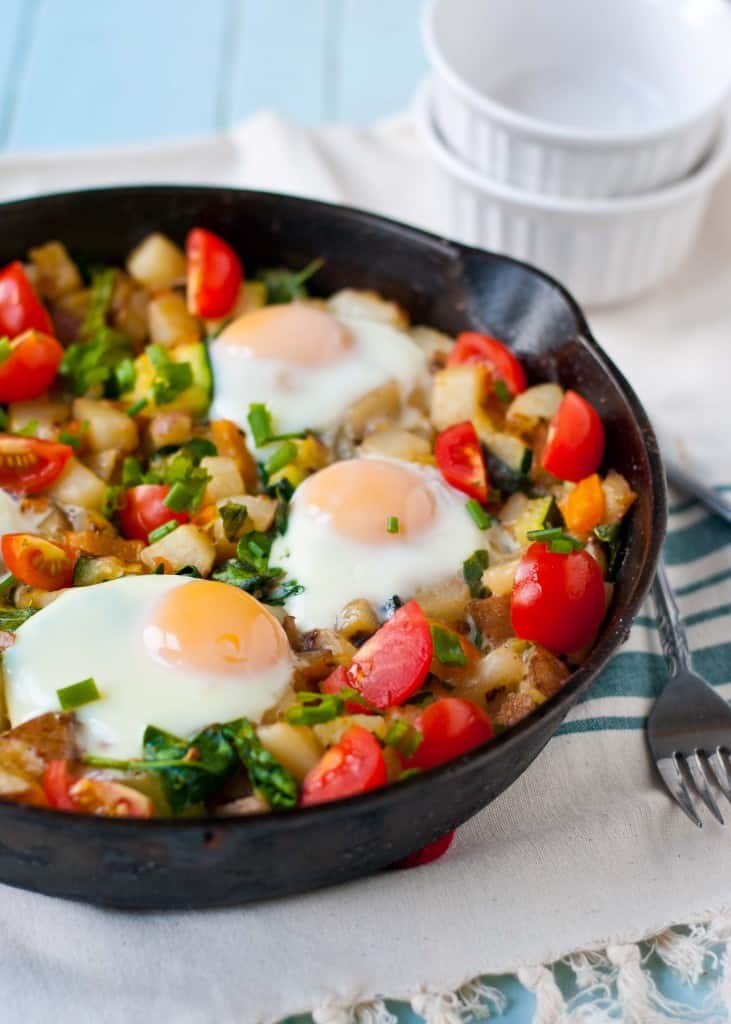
[137, 406]
[6, 349]
[125, 375]
[564, 545]
[392, 524]
[472, 570]
[549, 533]
[502, 390]
[260, 423]
[179, 498]
[131, 472]
[282, 457]
[403, 737]
[29, 430]
[71, 439]
[163, 531]
[3, 418]
[447, 647]
[479, 516]
[78, 694]
[408, 774]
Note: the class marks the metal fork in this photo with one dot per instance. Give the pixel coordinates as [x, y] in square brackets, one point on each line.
[689, 728]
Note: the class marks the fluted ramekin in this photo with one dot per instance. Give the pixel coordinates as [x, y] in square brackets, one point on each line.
[603, 250]
[640, 85]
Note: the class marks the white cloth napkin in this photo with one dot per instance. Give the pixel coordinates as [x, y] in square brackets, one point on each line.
[585, 850]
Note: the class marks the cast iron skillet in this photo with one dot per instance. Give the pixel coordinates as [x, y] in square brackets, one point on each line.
[216, 862]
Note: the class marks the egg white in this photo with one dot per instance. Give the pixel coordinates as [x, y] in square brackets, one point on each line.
[98, 631]
[315, 397]
[333, 569]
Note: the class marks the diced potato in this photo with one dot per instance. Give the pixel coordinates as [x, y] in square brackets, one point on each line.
[502, 667]
[157, 262]
[34, 597]
[57, 273]
[446, 601]
[104, 464]
[252, 295]
[129, 309]
[379, 406]
[68, 314]
[170, 322]
[435, 344]
[356, 619]
[77, 485]
[618, 496]
[225, 479]
[260, 509]
[332, 731]
[396, 443]
[187, 545]
[537, 403]
[514, 709]
[50, 737]
[457, 394]
[295, 746]
[329, 640]
[230, 441]
[170, 428]
[108, 427]
[545, 672]
[48, 413]
[368, 305]
[243, 807]
[499, 578]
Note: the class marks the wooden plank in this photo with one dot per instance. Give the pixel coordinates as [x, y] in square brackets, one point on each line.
[114, 71]
[18, 23]
[279, 61]
[380, 59]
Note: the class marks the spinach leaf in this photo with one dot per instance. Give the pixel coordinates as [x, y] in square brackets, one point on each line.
[190, 771]
[102, 355]
[284, 285]
[12, 618]
[266, 774]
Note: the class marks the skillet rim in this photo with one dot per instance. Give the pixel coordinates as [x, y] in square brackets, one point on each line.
[579, 680]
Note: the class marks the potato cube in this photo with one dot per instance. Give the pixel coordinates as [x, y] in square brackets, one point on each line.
[108, 427]
[457, 395]
[186, 545]
[77, 485]
[157, 262]
[225, 478]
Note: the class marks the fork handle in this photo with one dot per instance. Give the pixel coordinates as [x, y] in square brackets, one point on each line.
[673, 635]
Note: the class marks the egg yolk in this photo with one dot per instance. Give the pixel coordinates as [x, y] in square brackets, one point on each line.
[361, 498]
[213, 627]
[293, 333]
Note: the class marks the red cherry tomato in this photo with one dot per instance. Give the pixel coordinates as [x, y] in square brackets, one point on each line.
[109, 799]
[57, 782]
[459, 456]
[557, 600]
[427, 854]
[37, 562]
[393, 664]
[450, 726]
[575, 440]
[144, 511]
[352, 766]
[28, 465]
[471, 347]
[214, 274]
[20, 307]
[30, 367]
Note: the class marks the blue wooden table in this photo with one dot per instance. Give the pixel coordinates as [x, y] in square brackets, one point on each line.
[94, 72]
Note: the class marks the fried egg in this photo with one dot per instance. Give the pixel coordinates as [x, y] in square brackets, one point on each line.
[163, 650]
[307, 365]
[338, 546]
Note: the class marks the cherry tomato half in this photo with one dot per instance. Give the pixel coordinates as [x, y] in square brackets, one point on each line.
[471, 347]
[37, 562]
[109, 799]
[427, 854]
[20, 307]
[57, 782]
[214, 274]
[27, 465]
[459, 457]
[30, 367]
[450, 726]
[393, 664]
[576, 438]
[354, 765]
[144, 511]
[557, 600]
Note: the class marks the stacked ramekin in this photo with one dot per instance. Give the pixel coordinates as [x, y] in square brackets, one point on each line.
[583, 136]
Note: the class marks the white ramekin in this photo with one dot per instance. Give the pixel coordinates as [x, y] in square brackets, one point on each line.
[608, 59]
[603, 250]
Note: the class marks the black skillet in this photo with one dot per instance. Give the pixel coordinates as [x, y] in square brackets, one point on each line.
[216, 862]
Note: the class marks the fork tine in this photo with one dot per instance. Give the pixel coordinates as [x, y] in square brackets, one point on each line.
[720, 773]
[671, 776]
[698, 775]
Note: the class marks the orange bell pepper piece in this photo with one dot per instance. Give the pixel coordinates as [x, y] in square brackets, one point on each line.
[583, 508]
